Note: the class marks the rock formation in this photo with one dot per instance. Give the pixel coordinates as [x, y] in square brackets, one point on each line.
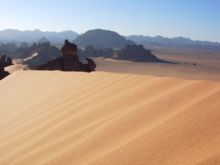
[129, 52]
[69, 61]
[41, 53]
[8, 48]
[3, 73]
[4, 61]
[91, 51]
[135, 53]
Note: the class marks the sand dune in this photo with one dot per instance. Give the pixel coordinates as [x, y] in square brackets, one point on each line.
[107, 118]
[16, 67]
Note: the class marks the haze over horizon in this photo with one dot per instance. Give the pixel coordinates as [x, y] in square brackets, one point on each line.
[196, 19]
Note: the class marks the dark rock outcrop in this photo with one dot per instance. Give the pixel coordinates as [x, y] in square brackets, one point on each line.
[129, 52]
[3, 73]
[69, 61]
[135, 53]
[4, 62]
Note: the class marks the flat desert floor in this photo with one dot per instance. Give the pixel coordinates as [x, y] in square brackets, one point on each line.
[106, 118]
[191, 64]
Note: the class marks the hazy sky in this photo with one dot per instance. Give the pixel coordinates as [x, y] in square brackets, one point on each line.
[198, 19]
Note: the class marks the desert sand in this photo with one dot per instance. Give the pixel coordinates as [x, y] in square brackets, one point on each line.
[103, 118]
[207, 66]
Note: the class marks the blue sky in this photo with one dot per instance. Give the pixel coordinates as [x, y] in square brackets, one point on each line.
[197, 19]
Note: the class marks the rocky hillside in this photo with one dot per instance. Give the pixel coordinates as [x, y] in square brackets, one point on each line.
[102, 39]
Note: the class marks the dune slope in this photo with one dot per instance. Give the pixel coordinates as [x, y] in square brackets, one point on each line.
[108, 118]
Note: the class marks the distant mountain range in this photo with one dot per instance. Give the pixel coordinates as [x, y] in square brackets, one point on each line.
[11, 35]
[172, 42]
[101, 39]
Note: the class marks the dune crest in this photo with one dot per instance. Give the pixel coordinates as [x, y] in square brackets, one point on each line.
[108, 118]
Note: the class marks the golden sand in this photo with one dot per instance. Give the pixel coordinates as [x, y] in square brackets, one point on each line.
[105, 118]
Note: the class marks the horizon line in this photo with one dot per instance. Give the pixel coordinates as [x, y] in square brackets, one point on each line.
[144, 35]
